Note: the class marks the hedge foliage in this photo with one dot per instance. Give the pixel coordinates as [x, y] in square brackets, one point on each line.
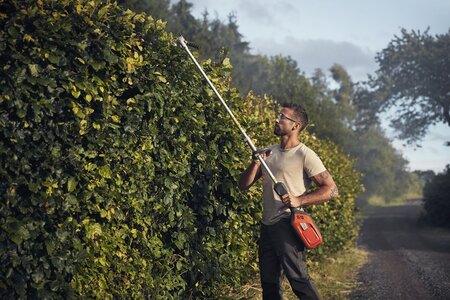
[436, 199]
[118, 165]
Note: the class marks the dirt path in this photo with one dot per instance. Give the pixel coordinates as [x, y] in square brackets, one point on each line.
[407, 260]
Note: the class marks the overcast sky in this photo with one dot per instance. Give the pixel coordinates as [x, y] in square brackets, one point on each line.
[319, 33]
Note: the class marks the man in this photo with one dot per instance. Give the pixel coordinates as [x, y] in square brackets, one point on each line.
[294, 164]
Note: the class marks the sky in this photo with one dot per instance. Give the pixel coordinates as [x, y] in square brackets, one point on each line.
[319, 33]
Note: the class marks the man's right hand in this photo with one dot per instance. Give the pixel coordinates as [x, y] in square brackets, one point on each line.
[263, 153]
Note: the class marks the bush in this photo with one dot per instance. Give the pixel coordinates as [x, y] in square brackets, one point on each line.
[436, 198]
[118, 165]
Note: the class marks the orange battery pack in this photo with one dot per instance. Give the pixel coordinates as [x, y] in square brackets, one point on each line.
[306, 229]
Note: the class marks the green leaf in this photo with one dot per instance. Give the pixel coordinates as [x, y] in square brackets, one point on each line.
[103, 11]
[71, 200]
[93, 230]
[71, 184]
[13, 31]
[105, 172]
[179, 265]
[226, 63]
[21, 113]
[34, 70]
[76, 94]
[109, 56]
[20, 235]
[37, 276]
[50, 246]
[33, 187]
[54, 59]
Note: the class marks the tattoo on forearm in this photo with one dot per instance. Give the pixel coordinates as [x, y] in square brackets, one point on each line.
[334, 193]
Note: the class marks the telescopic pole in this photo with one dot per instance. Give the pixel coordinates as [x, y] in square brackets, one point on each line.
[182, 42]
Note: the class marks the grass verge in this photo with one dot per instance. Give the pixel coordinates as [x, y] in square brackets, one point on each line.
[397, 201]
[336, 276]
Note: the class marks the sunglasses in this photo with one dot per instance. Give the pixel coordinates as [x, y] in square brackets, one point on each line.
[282, 116]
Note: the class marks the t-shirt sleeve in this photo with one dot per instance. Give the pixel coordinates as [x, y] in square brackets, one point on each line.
[313, 164]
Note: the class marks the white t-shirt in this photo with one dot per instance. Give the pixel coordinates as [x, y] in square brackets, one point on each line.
[293, 167]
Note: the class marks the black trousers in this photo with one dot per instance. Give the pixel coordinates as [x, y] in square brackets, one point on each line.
[282, 252]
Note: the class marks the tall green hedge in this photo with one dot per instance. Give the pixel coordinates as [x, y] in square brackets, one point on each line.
[118, 165]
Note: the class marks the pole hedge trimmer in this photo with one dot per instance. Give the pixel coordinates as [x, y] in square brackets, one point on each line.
[302, 222]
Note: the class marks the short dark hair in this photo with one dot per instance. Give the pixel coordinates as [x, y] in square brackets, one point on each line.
[299, 113]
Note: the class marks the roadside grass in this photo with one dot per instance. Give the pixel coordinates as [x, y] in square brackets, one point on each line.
[397, 201]
[380, 201]
[335, 277]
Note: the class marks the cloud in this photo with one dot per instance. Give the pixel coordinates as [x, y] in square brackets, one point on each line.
[320, 53]
[256, 11]
[266, 13]
[436, 165]
[439, 133]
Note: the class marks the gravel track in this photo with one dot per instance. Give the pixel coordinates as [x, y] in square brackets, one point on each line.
[407, 259]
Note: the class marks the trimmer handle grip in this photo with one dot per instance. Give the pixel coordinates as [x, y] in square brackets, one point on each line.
[280, 189]
[258, 152]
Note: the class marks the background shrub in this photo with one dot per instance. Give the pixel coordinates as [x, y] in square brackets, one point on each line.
[436, 198]
[118, 165]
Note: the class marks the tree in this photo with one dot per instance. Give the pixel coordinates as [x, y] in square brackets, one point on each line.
[382, 165]
[344, 95]
[425, 176]
[345, 123]
[414, 79]
[335, 106]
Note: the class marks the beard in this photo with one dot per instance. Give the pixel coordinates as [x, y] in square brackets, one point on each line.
[277, 131]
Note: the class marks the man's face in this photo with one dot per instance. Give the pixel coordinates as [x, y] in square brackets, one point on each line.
[285, 122]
